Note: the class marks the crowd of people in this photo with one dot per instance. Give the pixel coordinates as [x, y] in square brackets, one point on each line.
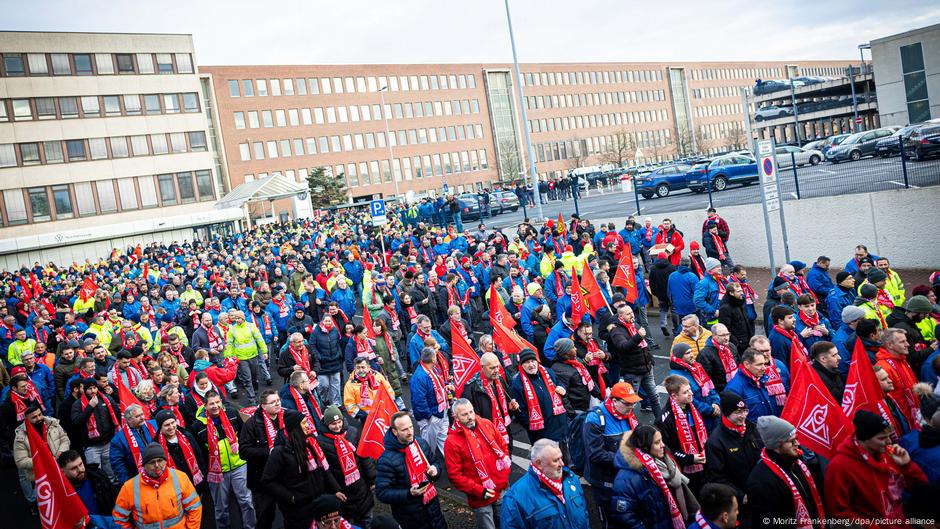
[248, 374]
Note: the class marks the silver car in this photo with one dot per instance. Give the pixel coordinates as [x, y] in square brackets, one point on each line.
[787, 154]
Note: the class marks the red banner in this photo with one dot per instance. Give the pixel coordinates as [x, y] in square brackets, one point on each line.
[562, 229]
[592, 291]
[509, 340]
[626, 277]
[59, 506]
[862, 389]
[127, 398]
[367, 324]
[578, 310]
[464, 359]
[372, 440]
[89, 287]
[820, 423]
[498, 312]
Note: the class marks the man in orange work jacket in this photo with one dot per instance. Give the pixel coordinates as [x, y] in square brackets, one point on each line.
[158, 497]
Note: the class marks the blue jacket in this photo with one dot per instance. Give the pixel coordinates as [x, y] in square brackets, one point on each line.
[509, 282]
[561, 306]
[329, 350]
[681, 289]
[550, 287]
[272, 309]
[819, 281]
[239, 303]
[759, 402]
[632, 237]
[559, 331]
[555, 425]
[852, 266]
[354, 271]
[706, 299]
[392, 484]
[529, 505]
[927, 458]
[636, 501]
[652, 239]
[927, 373]
[702, 403]
[780, 346]
[841, 339]
[836, 300]
[131, 310]
[346, 299]
[602, 433]
[811, 339]
[423, 401]
[45, 384]
[122, 460]
[530, 306]
[416, 344]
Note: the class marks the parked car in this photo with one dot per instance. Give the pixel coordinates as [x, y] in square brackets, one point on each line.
[891, 145]
[787, 154]
[724, 171]
[663, 181]
[833, 141]
[817, 145]
[507, 200]
[698, 172]
[469, 206]
[772, 112]
[858, 145]
[923, 142]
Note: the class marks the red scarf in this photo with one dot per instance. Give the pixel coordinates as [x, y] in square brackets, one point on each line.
[749, 295]
[302, 404]
[92, 425]
[215, 459]
[887, 415]
[554, 486]
[559, 284]
[649, 233]
[135, 447]
[536, 419]
[301, 356]
[885, 465]
[794, 340]
[412, 313]
[188, 455]
[719, 245]
[721, 282]
[417, 465]
[774, 383]
[367, 389]
[266, 322]
[458, 326]
[499, 404]
[907, 379]
[803, 520]
[597, 362]
[698, 266]
[326, 324]
[216, 343]
[630, 417]
[690, 444]
[346, 453]
[154, 482]
[282, 309]
[20, 403]
[315, 455]
[727, 360]
[364, 347]
[440, 394]
[178, 353]
[631, 328]
[698, 374]
[740, 430]
[651, 467]
[442, 367]
[392, 315]
[475, 439]
[585, 376]
[884, 298]
[270, 430]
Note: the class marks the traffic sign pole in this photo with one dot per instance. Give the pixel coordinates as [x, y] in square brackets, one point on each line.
[783, 218]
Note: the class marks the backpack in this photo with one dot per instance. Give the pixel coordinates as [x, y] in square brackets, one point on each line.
[574, 437]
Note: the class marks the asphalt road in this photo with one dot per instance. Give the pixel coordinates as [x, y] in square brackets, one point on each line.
[825, 179]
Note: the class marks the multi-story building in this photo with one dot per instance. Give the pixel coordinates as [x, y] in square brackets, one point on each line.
[907, 75]
[104, 143]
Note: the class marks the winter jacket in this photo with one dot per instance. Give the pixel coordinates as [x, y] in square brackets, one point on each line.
[56, 438]
[758, 400]
[529, 505]
[703, 403]
[359, 497]
[329, 352]
[474, 392]
[461, 469]
[352, 395]
[681, 289]
[303, 325]
[61, 374]
[819, 282]
[577, 397]
[770, 497]
[732, 313]
[697, 344]
[106, 427]
[176, 454]
[424, 402]
[122, 459]
[832, 380]
[837, 299]
[637, 500]
[559, 331]
[292, 485]
[416, 344]
[812, 339]
[924, 447]
[706, 298]
[673, 237]
[917, 346]
[42, 378]
[392, 486]
[174, 505]
[346, 298]
[711, 361]
[858, 487]
[253, 446]
[659, 281]
[229, 459]
[245, 342]
[730, 457]
[555, 425]
[627, 351]
[601, 434]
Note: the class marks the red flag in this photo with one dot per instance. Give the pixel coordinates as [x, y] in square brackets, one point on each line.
[127, 398]
[862, 389]
[509, 340]
[36, 285]
[367, 324]
[59, 506]
[372, 440]
[27, 292]
[626, 277]
[464, 359]
[820, 423]
[562, 229]
[592, 291]
[577, 300]
[498, 312]
[89, 287]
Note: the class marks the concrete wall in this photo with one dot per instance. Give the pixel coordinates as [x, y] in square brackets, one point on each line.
[889, 81]
[901, 225]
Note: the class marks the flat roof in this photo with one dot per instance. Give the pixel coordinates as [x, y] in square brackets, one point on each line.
[926, 29]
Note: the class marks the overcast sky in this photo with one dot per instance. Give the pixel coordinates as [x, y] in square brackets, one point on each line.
[427, 31]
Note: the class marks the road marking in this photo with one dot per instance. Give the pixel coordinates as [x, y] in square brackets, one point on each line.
[827, 171]
[794, 195]
[902, 184]
[521, 461]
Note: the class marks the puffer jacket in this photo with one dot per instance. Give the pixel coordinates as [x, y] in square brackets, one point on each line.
[659, 281]
[528, 504]
[359, 497]
[681, 290]
[461, 468]
[329, 350]
[637, 500]
[392, 486]
[56, 438]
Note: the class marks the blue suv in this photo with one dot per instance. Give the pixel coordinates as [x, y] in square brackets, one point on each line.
[725, 170]
[663, 181]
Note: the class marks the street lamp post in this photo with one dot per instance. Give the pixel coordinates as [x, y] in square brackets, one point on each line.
[525, 119]
[388, 141]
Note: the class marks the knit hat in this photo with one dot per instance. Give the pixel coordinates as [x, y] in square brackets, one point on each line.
[617, 298]
[694, 245]
[842, 276]
[868, 291]
[166, 318]
[778, 283]
[325, 505]
[679, 349]
[730, 402]
[533, 287]
[875, 275]
[797, 265]
[774, 431]
[298, 307]
[330, 414]
[293, 419]
[852, 313]
[918, 304]
[153, 451]
[563, 346]
[89, 341]
[526, 355]
[868, 424]
[162, 416]
[72, 344]
[711, 263]
[929, 404]
[624, 391]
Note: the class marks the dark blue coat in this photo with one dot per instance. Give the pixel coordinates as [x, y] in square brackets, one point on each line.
[758, 400]
[122, 460]
[637, 501]
[423, 400]
[329, 350]
[392, 487]
[836, 300]
[819, 281]
[530, 505]
[705, 298]
[555, 425]
[927, 457]
[602, 433]
[681, 288]
[811, 339]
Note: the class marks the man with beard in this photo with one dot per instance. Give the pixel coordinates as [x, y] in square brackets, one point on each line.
[541, 411]
[907, 318]
[92, 486]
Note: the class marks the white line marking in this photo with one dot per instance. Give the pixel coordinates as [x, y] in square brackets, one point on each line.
[793, 195]
[902, 184]
[827, 171]
[521, 461]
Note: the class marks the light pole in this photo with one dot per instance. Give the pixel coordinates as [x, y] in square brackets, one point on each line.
[388, 141]
[525, 119]
[861, 55]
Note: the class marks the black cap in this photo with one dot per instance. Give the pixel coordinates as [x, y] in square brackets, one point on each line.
[527, 354]
[868, 424]
[153, 451]
[325, 505]
[292, 420]
[868, 291]
[162, 416]
[842, 276]
[731, 402]
[779, 282]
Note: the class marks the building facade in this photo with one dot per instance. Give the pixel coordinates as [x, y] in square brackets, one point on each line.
[907, 75]
[103, 144]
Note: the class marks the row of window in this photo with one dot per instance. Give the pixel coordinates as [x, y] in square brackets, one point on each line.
[45, 64]
[596, 145]
[718, 110]
[86, 199]
[79, 150]
[354, 113]
[823, 70]
[733, 131]
[596, 120]
[593, 99]
[717, 91]
[356, 142]
[579, 78]
[711, 74]
[302, 86]
[73, 107]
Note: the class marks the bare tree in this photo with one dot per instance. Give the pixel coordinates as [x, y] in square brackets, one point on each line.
[620, 149]
[736, 137]
[577, 156]
[510, 163]
[685, 141]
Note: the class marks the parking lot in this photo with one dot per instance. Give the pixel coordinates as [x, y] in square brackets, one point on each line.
[825, 179]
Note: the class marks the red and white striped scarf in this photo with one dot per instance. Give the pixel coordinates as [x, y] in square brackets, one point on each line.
[536, 416]
[689, 443]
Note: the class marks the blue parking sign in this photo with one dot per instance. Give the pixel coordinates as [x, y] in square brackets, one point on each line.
[377, 208]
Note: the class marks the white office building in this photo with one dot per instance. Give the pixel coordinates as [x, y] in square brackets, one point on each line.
[907, 75]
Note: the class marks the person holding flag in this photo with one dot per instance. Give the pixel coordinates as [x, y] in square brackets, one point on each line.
[629, 347]
[93, 487]
[361, 389]
[52, 434]
[59, 505]
[129, 441]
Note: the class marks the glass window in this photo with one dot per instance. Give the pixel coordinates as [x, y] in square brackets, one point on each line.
[190, 102]
[184, 63]
[37, 64]
[132, 104]
[164, 63]
[171, 102]
[62, 201]
[301, 86]
[275, 85]
[244, 152]
[178, 142]
[145, 63]
[125, 63]
[305, 116]
[22, 110]
[324, 145]
[112, 106]
[187, 190]
[288, 86]
[152, 103]
[98, 148]
[272, 149]
[3, 111]
[311, 145]
[285, 148]
[29, 153]
[107, 201]
[158, 142]
[347, 142]
[197, 141]
[90, 106]
[119, 147]
[334, 143]
[292, 117]
[52, 150]
[262, 86]
[39, 204]
[15, 206]
[239, 120]
[61, 64]
[266, 118]
[280, 118]
[204, 185]
[83, 64]
[258, 150]
[298, 147]
[104, 63]
[314, 85]
[148, 191]
[343, 116]
[128, 194]
[167, 189]
[247, 88]
[76, 150]
[233, 90]
[139, 146]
